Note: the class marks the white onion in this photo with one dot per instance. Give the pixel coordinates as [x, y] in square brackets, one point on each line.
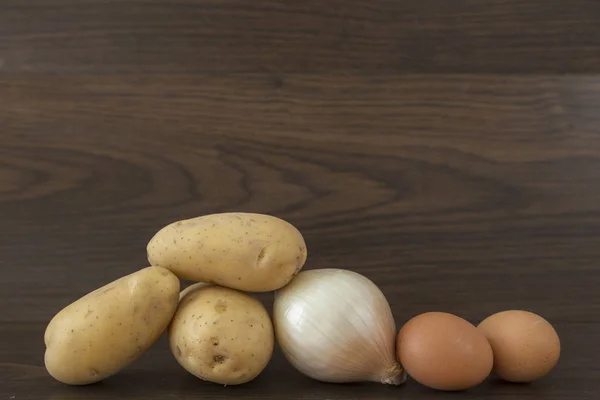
[335, 325]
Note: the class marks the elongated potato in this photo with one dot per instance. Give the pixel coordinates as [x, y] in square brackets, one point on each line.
[250, 252]
[102, 332]
[221, 335]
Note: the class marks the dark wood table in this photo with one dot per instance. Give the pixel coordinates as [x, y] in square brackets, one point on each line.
[448, 150]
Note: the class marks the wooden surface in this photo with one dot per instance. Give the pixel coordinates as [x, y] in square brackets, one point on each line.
[450, 151]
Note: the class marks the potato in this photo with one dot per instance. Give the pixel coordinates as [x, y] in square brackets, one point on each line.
[249, 252]
[102, 332]
[221, 335]
[192, 287]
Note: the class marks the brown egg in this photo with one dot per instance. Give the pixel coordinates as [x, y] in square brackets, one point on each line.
[526, 347]
[443, 351]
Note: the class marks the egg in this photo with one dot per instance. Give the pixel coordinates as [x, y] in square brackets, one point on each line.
[444, 352]
[526, 347]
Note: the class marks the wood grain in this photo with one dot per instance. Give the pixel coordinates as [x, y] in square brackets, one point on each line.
[449, 151]
[189, 36]
[421, 182]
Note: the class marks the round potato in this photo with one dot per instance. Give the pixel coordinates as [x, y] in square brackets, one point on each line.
[221, 335]
[102, 332]
[249, 252]
[193, 287]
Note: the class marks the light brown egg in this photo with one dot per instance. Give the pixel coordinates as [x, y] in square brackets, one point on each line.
[444, 352]
[526, 347]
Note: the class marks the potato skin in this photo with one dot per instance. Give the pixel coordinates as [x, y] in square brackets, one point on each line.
[221, 335]
[193, 287]
[244, 251]
[105, 330]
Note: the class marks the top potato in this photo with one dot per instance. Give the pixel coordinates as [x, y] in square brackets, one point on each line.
[244, 251]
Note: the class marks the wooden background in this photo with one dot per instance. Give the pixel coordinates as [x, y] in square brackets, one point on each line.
[448, 150]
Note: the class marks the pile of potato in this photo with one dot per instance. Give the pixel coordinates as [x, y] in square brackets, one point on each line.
[216, 331]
